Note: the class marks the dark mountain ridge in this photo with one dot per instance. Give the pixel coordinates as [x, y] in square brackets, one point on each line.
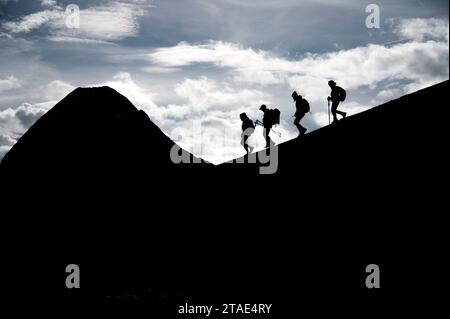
[92, 182]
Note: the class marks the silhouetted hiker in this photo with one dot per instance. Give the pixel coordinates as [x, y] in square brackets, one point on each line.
[302, 107]
[270, 118]
[248, 127]
[338, 95]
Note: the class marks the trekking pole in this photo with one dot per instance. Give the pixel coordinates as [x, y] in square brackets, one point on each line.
[258, 122]
[277, 133]
[329, 117]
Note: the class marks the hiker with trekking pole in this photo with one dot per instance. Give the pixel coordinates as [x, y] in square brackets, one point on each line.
[336, 97]
[270, 118]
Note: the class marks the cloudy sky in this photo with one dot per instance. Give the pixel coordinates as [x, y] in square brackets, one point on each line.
[195, 65]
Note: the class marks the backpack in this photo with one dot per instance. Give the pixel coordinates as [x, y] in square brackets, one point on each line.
[248, 125]
[342, 94]
[274, 116]
[305, 106]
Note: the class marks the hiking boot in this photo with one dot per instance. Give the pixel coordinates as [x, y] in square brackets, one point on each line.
[344, 115]
[303, 132]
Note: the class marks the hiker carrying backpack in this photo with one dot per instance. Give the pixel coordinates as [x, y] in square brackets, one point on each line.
[274, 116]
[342, 94]
[270, 118]
[337, 96]
[302, 107]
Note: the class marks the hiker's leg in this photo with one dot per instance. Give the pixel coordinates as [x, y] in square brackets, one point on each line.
[300, 127]
[334, 110]
[245, 142]
[266, 135]
[343, 114]
[297, 124]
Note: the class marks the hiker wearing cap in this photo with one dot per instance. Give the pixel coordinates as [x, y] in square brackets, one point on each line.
[302, 107]
[336, 97]
[248, 127]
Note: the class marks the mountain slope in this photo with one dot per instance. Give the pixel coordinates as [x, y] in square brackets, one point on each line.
[403, 134]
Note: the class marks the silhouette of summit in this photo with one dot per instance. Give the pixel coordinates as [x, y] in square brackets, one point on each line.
[92, 131]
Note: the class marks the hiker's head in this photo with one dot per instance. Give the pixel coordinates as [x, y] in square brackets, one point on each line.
[331, 83]
[263, 107]
[295, 96]
[243, 116]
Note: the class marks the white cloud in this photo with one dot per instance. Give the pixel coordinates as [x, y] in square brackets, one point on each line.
[56, 90]
[6, 140]
[33, 21]
[142, 98]
[155, 69]
[204, 93]
[277, 4]
[248, 65]
[9, 83]
[421, 29]
[390, 94]
[27, 114]
[3, 150]
[351, 108]
[48, 3]
[14, 122]
[412, 65]
[362, 66]
[113, 21]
